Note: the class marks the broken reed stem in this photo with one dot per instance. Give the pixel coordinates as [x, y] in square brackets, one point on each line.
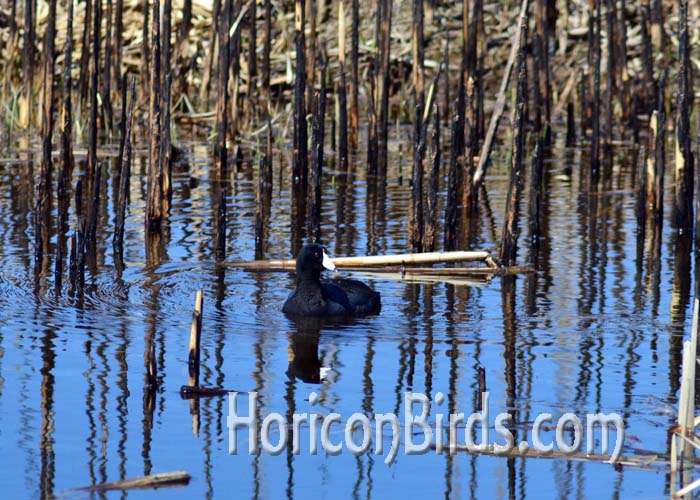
[124, 177]
[509, 239]
[300, 154]
[500, 103]
[683, 206]
[154, 205]
[430, 236]
[195, 339]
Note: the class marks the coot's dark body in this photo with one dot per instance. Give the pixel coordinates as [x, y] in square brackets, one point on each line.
[332, 297]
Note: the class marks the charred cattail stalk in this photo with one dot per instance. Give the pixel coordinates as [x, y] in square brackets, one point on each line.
[182, 59]
[595, 133]
[213, 47]
[154, 204]
[372, 127]
[510, 227]
[124, 176]
[107, 70]
[648, 59]
[311, 61]
[66, 171]
[25, 106]
[430, 237]
[94, 69]
[354, 74]
[536, 188]
[416, 222]
[85, 53]
[300, 160]
[383, 117]
[610, 18]
[166, 86]
[660, 151]
[543, 65]
[263, 196]
[221, 225]
[570, 125]
[266, 50]
[471, 140]
[91, 230]
[314, 207]
[145, 49]
[252, 51]
[220, 152]
[118, 43]
[342, 93]
[683, 206]
[453, 186]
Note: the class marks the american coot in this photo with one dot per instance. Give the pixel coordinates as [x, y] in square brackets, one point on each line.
[334, 297]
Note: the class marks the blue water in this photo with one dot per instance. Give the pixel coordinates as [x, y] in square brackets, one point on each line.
[593, 329]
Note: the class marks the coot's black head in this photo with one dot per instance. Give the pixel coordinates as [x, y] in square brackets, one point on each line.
[313, 259]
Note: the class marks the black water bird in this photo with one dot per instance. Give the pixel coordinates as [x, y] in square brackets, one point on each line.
[328, 297]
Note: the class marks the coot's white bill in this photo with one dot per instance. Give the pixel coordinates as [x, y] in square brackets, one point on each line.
[327, 262]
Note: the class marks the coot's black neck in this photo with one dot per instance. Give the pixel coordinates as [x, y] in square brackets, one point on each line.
[308, 277]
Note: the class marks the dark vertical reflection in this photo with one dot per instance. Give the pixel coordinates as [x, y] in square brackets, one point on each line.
[510, 332]
[47, 440]
[680, 297]
[452, 394]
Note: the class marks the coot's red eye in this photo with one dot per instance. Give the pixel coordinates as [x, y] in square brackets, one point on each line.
[315, 254]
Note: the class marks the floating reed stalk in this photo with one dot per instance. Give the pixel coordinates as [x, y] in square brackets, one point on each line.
[430, 236]
[683, 206]
[342, 94]
[124, 177]
[509, 240]
[154, 203]
[500, 103]
[300, 155]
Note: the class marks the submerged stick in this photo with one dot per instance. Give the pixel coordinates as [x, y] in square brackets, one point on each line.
[161, 480]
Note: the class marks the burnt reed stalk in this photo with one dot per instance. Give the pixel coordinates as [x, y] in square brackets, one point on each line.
[450, 236]
[595, 133]
[355, 74]
[154, 206]
[300, 153]
[416, 224]
[314, 206]
[94, 69]
[430, 234]
[124, 175]
[683, 205]
[509, 238]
